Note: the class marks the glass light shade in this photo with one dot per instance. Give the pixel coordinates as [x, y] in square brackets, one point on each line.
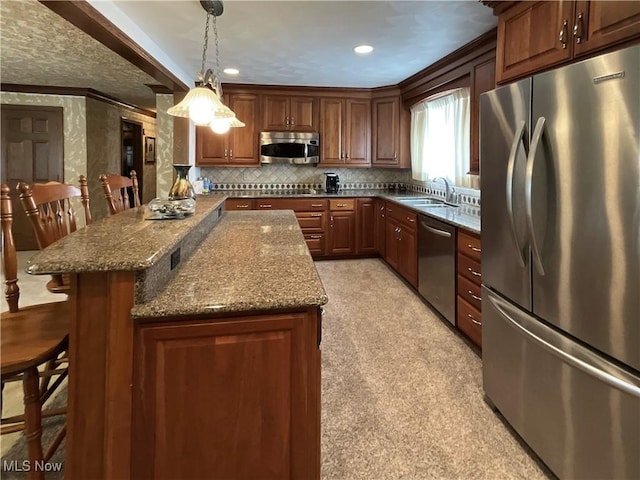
[201, 105]
[220, 125]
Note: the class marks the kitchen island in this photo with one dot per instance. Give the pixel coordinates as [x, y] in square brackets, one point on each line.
[194, 347]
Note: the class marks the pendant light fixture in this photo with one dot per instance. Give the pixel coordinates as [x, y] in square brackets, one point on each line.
[203, 103]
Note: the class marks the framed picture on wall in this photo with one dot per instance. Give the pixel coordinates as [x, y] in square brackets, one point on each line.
[149, 150]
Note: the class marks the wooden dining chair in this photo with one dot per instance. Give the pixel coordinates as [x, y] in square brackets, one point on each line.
[34, 342]
[49, 207]
[116, 192]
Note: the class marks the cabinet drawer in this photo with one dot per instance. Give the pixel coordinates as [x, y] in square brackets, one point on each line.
[295, 204]
[345, 204]
[404, 215]
[239, 204]
[312, 221]
[469, 268]
[470, 292]
[469, 322]
[315, 243]
[469, 245]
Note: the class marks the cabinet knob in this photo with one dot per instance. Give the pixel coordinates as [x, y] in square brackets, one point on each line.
[395, 155]
[563, 34]
[226, 153]
[578, 28]
[230, 153]
[292, 121]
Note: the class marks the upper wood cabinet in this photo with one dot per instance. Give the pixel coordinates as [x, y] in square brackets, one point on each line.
[389, 140]
[535, 35]
[345, 132]
[284, 113]
[483, 79]
[239, 146]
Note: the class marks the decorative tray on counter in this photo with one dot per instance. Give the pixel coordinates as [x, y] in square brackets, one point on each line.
[163, 209]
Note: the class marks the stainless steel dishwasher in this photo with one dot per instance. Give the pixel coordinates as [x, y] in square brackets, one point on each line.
[437, 265]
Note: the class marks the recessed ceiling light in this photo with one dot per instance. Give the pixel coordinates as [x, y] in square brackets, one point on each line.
[231, 71]
[363, 49]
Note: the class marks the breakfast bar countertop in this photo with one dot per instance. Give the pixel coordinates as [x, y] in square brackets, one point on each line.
[250, 261]
[127, 241]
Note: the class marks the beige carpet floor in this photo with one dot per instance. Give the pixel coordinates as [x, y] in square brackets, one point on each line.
[401, 391]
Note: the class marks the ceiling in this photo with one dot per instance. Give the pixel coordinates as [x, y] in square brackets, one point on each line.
[270, 42]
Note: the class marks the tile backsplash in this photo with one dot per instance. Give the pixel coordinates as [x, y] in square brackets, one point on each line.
[290, 177]
[298, 176]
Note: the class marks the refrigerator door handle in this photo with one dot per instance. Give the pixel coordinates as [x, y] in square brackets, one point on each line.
[531, 159]
[569, 352]
[519, 138]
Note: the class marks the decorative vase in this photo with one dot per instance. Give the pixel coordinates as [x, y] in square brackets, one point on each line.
[182, 188]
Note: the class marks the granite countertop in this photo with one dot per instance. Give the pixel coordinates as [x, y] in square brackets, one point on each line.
[465, 216]
[123, 242]
[256, 260]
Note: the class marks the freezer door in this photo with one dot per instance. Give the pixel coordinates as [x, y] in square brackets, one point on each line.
[583, 201]
[504, 144]
[579, 412]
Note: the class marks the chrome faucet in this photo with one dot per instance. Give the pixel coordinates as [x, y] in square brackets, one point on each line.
[449, 190]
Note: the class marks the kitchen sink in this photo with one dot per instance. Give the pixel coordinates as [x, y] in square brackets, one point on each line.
[424, 202]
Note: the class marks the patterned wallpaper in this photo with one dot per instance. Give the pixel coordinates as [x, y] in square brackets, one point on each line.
[164, 145]
[104, 150]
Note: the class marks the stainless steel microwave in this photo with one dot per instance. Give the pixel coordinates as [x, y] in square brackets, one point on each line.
[289, 147]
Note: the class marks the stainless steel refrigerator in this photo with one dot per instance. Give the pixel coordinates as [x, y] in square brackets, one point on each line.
[560, 181]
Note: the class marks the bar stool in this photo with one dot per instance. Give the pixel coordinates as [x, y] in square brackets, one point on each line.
[116, 192]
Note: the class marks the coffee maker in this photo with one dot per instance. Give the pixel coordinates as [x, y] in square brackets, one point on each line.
[331, 183]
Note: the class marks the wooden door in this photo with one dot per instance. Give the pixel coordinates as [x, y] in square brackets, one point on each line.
[600, 23]
[357, 132]
[366, 229]
[211, 148]
[275, 112]
[342, 233]
[331, 128]
[529, 37]
[243, 146]
[32, 152]
[391, 242]
[386, 131]
[237, 398]
[302, 113]
[408, 255]
[380, 227]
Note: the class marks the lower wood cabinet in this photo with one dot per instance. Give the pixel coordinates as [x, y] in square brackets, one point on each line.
[366, 231]
[228, 398]
[469, 280]
[401, 242]
[380, 227]
[342, 227]
[239, 204]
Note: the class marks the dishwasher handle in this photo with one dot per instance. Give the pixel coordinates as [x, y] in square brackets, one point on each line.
[436, 231]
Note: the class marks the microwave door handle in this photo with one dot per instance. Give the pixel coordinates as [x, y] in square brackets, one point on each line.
[519, 138]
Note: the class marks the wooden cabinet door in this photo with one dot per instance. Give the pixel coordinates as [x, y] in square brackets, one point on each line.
[529, 37]
[331, 128]
[380, 227]
[275, 112]
[366, 233]
[342, 233]
[601, 23]
[243, 146]
[302, 111]
[483, 79]
[386, 131]
[212, 149]
[391, 242]
[357, 132]
[240, 395]
[408, 255]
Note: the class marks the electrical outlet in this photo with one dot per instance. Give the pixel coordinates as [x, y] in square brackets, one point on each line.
[175, 258]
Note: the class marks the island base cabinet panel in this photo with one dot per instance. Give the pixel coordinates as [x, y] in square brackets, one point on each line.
[231, 398]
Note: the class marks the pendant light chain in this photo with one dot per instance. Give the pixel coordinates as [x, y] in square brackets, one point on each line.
[205, 46]
[216, 74]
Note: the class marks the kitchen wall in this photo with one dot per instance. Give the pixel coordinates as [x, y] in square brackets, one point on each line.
[268, 176]
[104, 150]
